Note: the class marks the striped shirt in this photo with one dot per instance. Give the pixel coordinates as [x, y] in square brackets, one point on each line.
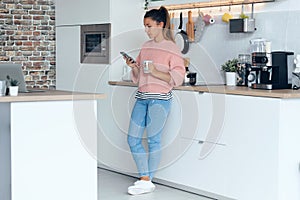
[149, 95]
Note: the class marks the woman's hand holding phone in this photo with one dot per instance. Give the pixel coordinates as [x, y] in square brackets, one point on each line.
[129, 60]
[131, 63]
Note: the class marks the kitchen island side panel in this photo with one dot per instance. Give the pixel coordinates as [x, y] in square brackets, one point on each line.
[5, 178]
[50, 158]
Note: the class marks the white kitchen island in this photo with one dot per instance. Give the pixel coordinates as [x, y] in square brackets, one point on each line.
[48, 146]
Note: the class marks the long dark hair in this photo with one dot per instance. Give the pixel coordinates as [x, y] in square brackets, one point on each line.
[162, 15]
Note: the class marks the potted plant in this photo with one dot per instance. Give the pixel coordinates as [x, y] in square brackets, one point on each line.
[13, 86]
[230, 67]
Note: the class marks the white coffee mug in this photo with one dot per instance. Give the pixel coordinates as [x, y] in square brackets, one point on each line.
[146, 66]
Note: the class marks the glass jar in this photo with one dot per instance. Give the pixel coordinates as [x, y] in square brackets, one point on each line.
[243, 65]
[258, 45]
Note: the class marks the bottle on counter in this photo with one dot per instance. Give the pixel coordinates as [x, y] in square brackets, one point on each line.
[186, 77]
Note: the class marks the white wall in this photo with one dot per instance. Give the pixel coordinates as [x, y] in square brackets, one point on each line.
[283, 5]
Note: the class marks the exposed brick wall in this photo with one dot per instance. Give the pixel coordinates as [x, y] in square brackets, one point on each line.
[27, 36]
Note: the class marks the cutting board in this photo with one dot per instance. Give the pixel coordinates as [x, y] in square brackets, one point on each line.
[190, 27]
[172, 20]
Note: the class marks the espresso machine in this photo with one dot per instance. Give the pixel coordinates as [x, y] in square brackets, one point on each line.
[270, 70]
[259, 60]
[277, 76]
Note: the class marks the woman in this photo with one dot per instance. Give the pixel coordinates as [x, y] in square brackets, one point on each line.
[153, 98]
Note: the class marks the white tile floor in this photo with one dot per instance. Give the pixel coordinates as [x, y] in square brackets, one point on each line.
[113, 186]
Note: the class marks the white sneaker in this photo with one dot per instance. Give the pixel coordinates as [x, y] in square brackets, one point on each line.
[141, 187]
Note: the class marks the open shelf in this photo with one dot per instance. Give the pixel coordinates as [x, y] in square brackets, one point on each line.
[214, 4]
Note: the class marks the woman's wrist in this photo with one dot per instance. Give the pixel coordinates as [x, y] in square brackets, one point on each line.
[161, 75]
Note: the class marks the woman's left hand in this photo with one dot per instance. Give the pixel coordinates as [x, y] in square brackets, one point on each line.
[158, 74]
[151, 68]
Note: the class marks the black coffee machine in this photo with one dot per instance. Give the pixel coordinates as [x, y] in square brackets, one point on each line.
[276, 76]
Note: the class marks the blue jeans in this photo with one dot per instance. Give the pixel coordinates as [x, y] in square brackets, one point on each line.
[151, 115]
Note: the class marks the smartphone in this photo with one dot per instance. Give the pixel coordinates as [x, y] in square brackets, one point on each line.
[127, 56]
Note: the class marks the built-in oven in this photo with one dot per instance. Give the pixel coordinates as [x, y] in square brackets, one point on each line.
[95, 43]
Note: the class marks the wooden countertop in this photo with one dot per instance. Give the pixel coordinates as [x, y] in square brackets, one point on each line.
[51, 95]
[234, 90]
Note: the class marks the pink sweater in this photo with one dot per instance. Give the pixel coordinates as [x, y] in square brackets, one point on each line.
[166, 57]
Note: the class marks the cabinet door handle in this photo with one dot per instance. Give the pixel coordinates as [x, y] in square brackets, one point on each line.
[200, 142]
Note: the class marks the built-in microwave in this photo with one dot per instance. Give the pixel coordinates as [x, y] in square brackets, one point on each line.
[95, 43]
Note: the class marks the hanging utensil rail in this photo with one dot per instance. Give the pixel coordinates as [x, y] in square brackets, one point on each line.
[214, 4]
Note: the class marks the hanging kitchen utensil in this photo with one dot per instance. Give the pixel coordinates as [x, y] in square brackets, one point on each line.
[181, 38]
[172, 20]
[199, 27]
[227, 16]
[243, 15]
[190, 27]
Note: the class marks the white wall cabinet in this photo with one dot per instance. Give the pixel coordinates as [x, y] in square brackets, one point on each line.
[180, 122]
[67, 56]
[70, 12]
[204, 176]
[242, 164]
[202, 159]
[206, 114]
[251, 129]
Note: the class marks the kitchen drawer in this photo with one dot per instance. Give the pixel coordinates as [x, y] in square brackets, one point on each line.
[206, 118]
[183, 116]
[206, 176]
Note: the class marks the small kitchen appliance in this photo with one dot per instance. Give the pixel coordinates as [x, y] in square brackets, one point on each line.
[259, 59]
[193, 78]
[95, 43]
[296, 73]
[297, 63]
[277, 76]
[243, 66]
